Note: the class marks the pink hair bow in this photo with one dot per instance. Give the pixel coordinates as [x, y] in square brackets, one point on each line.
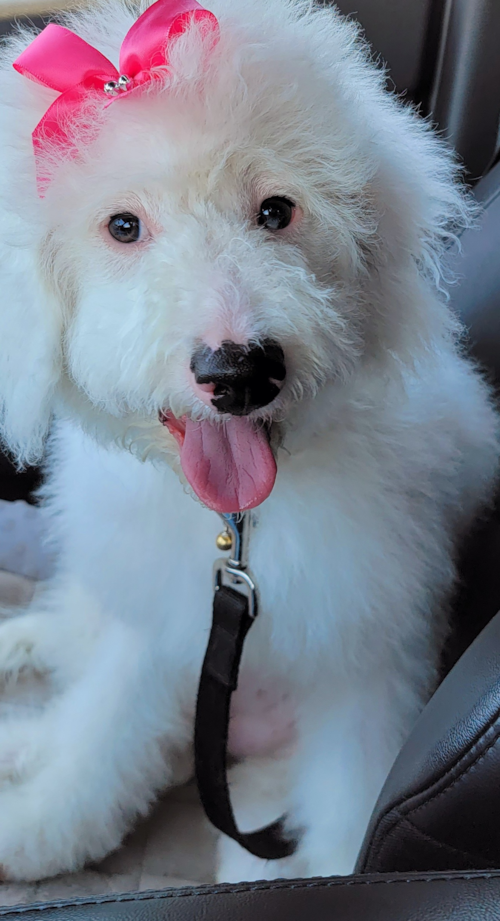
[61, 60]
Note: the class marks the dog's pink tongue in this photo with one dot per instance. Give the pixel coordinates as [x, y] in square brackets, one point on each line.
[230, 467]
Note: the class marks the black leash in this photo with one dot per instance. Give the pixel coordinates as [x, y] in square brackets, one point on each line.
[234, 611]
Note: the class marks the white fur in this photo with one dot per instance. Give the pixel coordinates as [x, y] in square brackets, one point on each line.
[388, 442]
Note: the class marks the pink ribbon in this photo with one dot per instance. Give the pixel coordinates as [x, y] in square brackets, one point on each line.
[61, 60]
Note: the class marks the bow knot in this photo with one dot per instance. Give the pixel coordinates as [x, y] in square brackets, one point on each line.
[64, 62]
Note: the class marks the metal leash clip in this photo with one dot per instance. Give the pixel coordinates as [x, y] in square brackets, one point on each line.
[233, 571]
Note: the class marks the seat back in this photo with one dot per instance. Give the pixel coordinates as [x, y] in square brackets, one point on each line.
[443, 55]
[476, 299]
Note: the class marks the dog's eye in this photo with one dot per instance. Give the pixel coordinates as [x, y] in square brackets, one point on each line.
[126, 228]
[275, 213]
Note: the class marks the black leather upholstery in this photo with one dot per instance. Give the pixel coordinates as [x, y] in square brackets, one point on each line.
[398, 31]
[15, 485]
[436, 897]
[440, 806]
[476, 298]
[465, 99]
[443, 54]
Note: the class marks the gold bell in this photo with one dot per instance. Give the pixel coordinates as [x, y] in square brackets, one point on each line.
[224, 541]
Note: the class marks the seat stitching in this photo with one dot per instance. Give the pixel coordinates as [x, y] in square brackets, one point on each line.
[458, 779]
[399, 806]
[440, 843]
[282, 885]
[402, 812]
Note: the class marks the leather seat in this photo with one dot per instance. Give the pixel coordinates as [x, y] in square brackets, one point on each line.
[403, 897]
[476, 298]
[443, 56]
[440, 807]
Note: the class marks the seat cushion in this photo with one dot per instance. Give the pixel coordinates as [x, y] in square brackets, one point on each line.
[435, 897]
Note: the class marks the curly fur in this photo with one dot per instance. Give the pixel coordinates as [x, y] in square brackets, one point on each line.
[385, 433]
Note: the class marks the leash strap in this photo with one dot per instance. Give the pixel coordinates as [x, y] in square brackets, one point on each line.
[219, 678]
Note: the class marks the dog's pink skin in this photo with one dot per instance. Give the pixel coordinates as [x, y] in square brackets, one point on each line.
[262, 719]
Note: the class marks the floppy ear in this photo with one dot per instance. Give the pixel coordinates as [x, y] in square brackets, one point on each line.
[30, 348]
[30, 312]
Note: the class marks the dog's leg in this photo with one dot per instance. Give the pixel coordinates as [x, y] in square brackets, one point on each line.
[96, 758]
[19, 644]
[349, 739]
[27, 641]
[54, 634]
[259, 790]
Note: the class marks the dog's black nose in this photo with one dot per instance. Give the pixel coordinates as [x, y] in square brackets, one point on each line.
[243, 377]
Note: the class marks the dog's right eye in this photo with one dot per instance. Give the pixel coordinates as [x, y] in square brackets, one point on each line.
[126, 228]
[275, 213]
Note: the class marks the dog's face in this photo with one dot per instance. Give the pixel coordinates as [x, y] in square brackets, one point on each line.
[202, 281]
[224, 248]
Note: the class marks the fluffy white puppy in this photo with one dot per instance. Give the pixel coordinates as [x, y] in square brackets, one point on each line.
[265, 204]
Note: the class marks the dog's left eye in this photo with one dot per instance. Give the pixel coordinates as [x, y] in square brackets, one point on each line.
[275, 213]
[126, 228]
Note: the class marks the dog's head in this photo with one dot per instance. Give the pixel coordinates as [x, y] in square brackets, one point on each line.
[262, 224]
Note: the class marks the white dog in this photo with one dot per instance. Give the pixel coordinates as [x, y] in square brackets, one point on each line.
[261, 204]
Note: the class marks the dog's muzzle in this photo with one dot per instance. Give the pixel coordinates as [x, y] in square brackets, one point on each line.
[243, 378]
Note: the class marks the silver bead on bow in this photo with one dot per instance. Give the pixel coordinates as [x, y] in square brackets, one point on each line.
[114, 88]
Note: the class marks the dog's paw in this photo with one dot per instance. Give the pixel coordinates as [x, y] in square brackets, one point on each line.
[236, 865]
[26, 851]
[43, 832]
[21, 750]
[20, 647]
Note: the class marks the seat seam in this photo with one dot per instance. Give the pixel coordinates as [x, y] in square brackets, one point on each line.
[436, 841]
[399, 807]
[265, 887]
[405, 813]
[459, 778]
[490, 200]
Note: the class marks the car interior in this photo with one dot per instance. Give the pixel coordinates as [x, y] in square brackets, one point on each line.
[433, 844]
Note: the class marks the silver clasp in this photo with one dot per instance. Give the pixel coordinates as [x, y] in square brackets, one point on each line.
[234, 571]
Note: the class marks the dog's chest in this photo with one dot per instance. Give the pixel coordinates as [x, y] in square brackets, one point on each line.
[262, 717]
